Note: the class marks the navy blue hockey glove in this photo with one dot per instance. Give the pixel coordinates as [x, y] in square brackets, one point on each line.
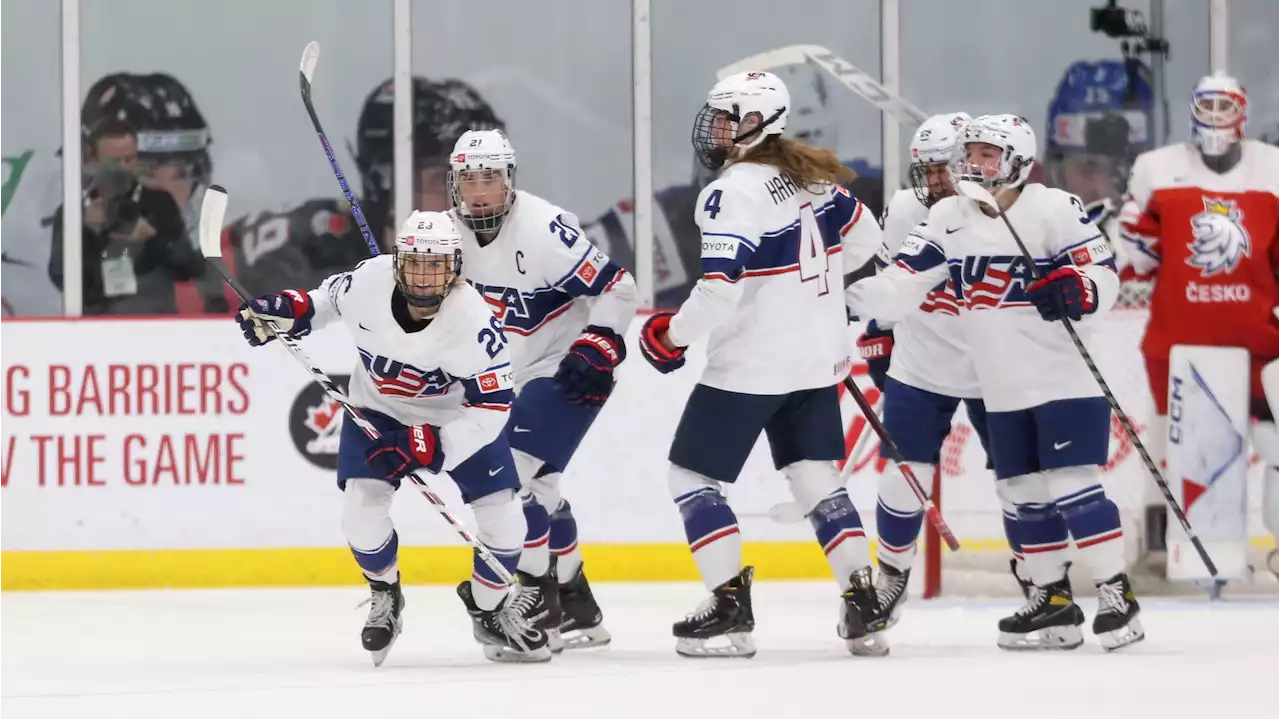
[662, 359]
[586, 372]
[290, 311]
[1065, 292]
[875, 346]
[401, 451]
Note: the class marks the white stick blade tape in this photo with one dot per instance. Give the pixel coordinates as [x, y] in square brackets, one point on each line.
[977, 192]
[310, 58]
[793, 55]
[212, 211]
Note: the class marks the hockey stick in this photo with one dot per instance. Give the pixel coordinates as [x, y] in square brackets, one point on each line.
[307, 68]
[983, 197]
[212, 211]
[791, 513]
[845, 72]
[930, 510]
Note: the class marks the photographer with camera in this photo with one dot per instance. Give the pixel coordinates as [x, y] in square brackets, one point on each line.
[133, 236]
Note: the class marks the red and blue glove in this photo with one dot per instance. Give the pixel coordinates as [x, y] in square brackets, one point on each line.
[586, 372]
[401, 451]
[662, 359]
[289, 311]
[875, 346]
[1065, 292]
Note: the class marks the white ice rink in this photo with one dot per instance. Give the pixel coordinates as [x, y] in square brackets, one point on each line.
[239, 654]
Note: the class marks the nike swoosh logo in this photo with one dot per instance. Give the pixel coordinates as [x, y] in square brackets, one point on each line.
[494, 472]
[1060, 445]
[949, 231]
[521, 429]
[361, 326]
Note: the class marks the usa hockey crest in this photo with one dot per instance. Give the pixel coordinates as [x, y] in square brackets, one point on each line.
[1219, 241]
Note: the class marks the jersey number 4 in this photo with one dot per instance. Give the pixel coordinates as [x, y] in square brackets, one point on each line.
[813, 260]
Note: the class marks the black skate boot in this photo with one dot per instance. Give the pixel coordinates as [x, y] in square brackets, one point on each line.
[863, 617]
[505, 635]
[726, 613]
[1116, 623]
[1049, 620]
[582, 622]
[384, 622]
[539, 603]
[891, 590]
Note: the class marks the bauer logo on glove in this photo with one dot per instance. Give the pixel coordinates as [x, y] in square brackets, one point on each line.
[289, 312]
[1065, 292]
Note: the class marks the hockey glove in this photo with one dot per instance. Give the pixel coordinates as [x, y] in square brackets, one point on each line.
[662, 359]
[401, 451]
[1065, 292]
[874, 346]
[289, 311]
[586, 373]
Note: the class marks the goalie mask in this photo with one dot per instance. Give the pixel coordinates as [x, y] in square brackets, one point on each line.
[733, 99]
[428, 258]
[1218, 113]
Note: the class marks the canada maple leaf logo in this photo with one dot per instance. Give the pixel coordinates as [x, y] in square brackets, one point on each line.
[325, 419]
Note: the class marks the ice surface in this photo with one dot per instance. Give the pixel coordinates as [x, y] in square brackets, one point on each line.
[296, 653]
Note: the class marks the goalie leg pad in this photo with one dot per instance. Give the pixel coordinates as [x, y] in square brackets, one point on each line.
[709, 524]
[367, 526]
[1267, 445]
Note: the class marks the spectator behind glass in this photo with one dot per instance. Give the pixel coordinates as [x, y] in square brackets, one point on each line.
[133, 236]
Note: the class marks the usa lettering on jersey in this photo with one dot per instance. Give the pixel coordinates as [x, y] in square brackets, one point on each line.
[400, 379]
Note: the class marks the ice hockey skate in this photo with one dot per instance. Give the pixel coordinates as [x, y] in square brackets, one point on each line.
[384, 623]
[505, 635]
[726, 613]
[863, 618]
[582, 623]
[1116, 622]
[1049, 620]
[539, 603]
[891, 590]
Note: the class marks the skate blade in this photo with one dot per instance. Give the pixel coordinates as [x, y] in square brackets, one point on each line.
[1047, 639]
[740, 645]
[555, 642]
[586, 638]
[507, 655]
[872, 645]
[1130, 633]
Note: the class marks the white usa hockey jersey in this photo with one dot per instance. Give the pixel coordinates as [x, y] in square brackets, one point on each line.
[455, 373]
[1021, 360]
[546, 282]
[929, 351]
[774, 257]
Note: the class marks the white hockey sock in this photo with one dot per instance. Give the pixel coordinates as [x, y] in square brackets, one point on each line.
[536, 557]
[366, 524]
[1040, 529]
[836, 524]
[564, 542]
[709, 524]
[500, 525]
[1094, 520]
[899, 516]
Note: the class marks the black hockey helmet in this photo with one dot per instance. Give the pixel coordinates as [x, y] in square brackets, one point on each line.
[442, 111]
[160, 109]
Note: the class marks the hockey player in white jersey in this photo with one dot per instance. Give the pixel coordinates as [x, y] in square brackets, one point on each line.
[564, 306]
[435, 380]
[778, 234]
[922, 365]
[1048, 425]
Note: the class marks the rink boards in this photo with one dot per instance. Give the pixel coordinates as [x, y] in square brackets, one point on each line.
[155, 452]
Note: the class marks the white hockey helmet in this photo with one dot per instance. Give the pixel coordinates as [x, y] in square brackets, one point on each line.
[715, 129]
[480, 158]
[1219, 109]
[428, 258]
[934, 143]
[1017, 143]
